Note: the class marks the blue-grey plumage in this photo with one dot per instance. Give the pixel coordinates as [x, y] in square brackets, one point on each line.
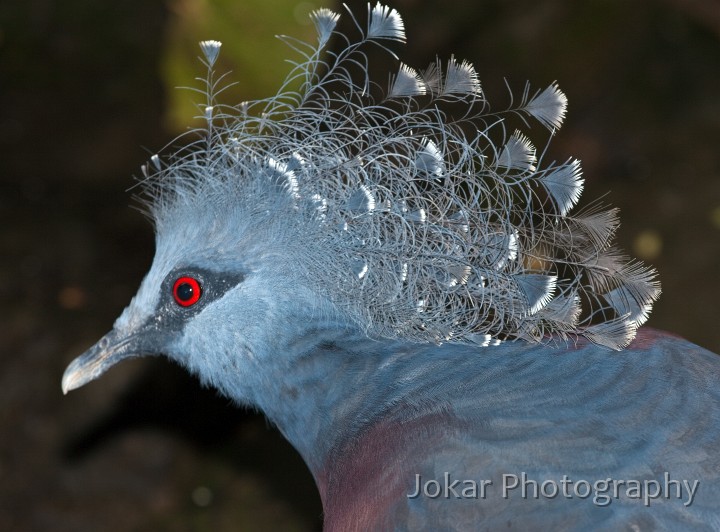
[408, 296]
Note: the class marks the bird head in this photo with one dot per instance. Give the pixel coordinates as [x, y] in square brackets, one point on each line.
[409, 213]
[224, 291]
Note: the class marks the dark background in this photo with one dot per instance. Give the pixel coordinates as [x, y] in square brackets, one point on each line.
[85, 99]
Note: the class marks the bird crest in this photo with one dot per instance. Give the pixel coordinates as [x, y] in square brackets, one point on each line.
[413, 207]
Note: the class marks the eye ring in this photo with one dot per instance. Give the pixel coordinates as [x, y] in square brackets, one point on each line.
[186, 291]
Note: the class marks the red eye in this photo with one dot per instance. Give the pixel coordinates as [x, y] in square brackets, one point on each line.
[186, 291]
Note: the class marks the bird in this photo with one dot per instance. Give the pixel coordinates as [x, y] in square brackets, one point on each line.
[404, 284]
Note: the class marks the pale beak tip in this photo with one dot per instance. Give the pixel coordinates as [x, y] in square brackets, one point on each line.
[72, 378]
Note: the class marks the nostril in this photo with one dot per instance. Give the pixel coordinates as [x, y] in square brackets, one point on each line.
[104, 343]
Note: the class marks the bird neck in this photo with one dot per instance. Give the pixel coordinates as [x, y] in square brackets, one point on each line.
[339, 384]
[323, 382]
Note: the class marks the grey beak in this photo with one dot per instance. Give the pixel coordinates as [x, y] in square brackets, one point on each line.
[111, 349]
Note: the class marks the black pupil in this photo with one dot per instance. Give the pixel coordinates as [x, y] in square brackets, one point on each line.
[185, 291]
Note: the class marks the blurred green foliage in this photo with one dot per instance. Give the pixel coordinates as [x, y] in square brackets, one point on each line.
[251, 50]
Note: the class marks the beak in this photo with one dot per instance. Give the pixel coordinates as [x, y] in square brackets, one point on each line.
[111, 349]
